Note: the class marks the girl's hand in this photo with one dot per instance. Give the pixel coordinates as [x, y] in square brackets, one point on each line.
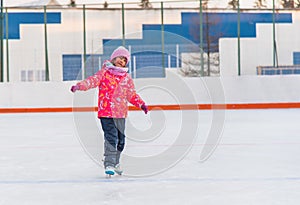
[145, 108]
[74, 88]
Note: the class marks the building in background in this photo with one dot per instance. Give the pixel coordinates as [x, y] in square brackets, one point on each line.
[73, 43]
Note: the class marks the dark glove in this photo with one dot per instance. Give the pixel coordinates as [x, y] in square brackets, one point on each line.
[74, 88]
[144, 108]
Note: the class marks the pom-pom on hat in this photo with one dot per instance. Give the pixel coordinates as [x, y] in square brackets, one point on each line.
[120, 51]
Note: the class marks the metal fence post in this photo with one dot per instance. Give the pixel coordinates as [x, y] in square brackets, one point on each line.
[177, 56]
[275, 59]
[162, 38]
[123, 25]
[134, 67]
[7, 45]
[84, 44]
[46, 46]
[201, 37]
[239, 37]
[1, 44]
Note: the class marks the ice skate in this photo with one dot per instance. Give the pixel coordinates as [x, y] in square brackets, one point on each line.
[109, 171]
[118, 169]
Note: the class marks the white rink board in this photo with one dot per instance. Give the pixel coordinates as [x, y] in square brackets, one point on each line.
[243, 89]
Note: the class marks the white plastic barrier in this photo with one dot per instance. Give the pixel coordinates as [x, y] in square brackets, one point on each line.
[226, 90]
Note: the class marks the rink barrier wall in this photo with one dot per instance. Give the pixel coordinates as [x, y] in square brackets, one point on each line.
[171, 93]
[158, 107]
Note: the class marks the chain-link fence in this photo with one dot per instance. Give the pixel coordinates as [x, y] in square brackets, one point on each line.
[70, 42]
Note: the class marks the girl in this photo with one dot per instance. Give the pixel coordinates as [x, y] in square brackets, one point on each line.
[116, 89]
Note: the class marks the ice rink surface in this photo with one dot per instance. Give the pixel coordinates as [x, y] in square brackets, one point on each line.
[43, 162]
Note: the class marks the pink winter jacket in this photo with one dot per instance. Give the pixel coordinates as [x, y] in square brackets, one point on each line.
[116, 89]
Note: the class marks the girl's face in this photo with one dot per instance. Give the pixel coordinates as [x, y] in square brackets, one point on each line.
[120, 61]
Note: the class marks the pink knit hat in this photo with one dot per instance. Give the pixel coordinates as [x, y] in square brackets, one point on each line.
[120, 51]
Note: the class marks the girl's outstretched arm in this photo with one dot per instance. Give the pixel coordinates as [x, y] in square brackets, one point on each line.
[89, 83]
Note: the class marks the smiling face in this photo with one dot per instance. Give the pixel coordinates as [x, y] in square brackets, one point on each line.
[120, 61]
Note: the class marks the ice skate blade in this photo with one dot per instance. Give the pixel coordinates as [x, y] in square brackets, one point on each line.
[109, 172]
[119, 173]
[108, 176]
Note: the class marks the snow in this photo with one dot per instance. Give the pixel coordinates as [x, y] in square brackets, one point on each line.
[45, 160]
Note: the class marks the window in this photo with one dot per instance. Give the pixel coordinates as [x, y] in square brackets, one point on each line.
[32, 75]
[72, 67]
[296, 57]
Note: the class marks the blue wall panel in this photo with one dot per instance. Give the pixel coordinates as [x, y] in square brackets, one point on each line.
[296, 58]
[186, 35]
[16, 19]
[72, 65]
